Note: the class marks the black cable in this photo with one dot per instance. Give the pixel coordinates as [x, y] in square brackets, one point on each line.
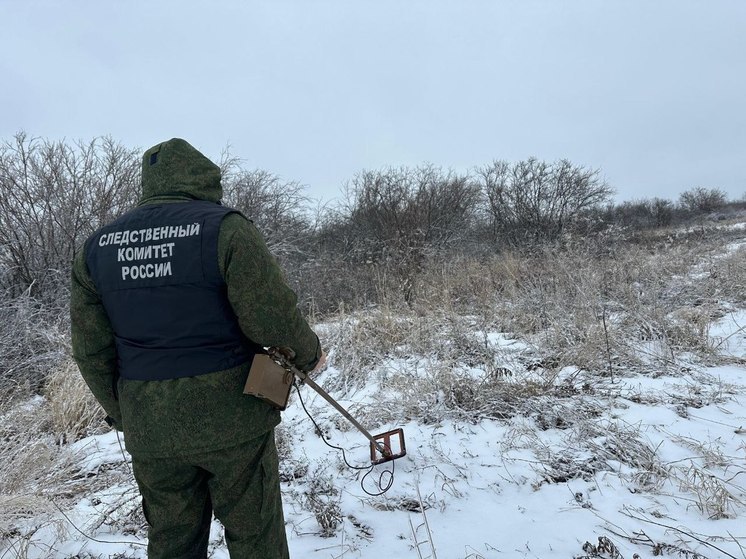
[124, 456]
[382, 488]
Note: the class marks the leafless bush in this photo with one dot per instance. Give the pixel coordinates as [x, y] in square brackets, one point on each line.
[278, 208]
[398, 218]
[703, 200]
[52, 196]
[640, 215]
[534, 201]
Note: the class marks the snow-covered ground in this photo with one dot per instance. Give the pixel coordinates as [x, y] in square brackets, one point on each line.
[662, 463]
[642, 463]
[651, 466]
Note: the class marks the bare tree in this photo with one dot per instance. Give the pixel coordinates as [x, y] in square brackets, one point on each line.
[398, 217]
[52, 196]
[533, 201]
[277, 207]
[703, 200]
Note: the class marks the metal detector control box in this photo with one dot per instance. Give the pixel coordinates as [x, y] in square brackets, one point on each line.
[269, 381]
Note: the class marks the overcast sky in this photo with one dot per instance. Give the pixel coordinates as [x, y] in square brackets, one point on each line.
[652, 93]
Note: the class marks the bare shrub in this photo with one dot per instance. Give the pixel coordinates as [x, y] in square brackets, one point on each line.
[278, 208]
[639, 215]
[534, 201]
[703, 200]
[52, 196]
[398, 218]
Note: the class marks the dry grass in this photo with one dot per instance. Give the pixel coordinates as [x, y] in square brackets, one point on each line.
[714, 480]
[38, 470]
[610, 311]
[33, 341]
[591, 306]
[32, 466]
[73, 412]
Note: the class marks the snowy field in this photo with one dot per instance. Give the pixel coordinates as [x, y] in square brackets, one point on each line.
[660, 469]
[636, 463]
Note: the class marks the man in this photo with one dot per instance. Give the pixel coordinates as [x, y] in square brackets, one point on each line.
[169, 303]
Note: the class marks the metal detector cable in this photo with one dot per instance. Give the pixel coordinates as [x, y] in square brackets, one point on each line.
[382, 488]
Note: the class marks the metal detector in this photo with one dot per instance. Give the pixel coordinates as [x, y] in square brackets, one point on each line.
[383, 448]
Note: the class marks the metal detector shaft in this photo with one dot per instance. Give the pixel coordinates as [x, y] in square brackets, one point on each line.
[305, 378]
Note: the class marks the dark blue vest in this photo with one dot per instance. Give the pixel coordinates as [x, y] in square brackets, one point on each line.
[156, 269]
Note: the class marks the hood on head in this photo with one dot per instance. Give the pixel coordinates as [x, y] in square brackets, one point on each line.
[175, 167]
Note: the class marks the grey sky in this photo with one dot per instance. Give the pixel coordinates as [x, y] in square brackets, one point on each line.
[652, 93]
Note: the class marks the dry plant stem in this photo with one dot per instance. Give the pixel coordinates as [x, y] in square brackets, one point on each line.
[735, 540]
[608, 345]
[418, 544]
[626, 512]
[89, 537]
[641, 538]
[728, 337]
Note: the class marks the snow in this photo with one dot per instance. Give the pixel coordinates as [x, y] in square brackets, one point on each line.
[656, 463]
[484, 485]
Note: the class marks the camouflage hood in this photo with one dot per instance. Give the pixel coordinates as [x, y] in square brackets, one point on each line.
[176, 168]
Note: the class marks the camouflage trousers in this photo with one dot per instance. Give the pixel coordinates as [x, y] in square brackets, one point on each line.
[239, 484]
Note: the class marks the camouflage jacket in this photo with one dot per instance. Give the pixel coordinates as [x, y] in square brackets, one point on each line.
[207, 412]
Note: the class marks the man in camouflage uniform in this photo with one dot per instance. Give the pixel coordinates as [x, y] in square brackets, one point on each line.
[169, 303]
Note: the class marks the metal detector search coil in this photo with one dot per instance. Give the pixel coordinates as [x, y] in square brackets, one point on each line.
[381, 451]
